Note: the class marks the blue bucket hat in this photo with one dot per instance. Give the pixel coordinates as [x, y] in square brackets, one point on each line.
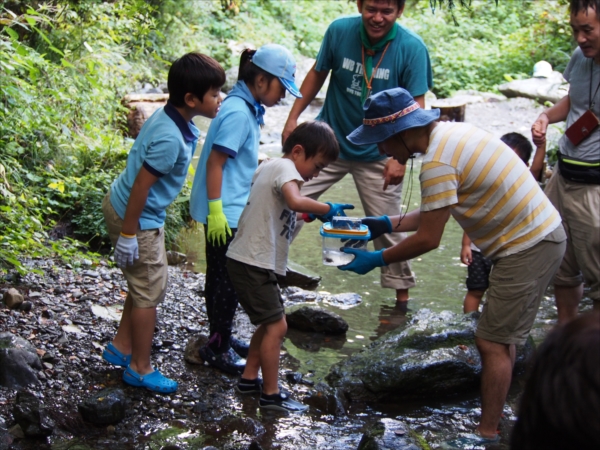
[278, 61]
[388, 113]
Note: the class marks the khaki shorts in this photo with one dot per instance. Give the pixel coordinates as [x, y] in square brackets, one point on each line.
[147, 277]
[579, 207]
[257, 292]
[517, 285]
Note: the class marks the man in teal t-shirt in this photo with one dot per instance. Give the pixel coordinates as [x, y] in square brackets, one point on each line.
[393, 57]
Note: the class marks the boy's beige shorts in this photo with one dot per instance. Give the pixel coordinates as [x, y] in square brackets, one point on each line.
[147, 277]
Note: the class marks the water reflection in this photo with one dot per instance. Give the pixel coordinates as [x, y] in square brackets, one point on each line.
[390, 318]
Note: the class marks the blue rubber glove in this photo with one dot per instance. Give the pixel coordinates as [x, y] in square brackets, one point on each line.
[363, 261]
[336, 209]
[378, 226]
[126, 251]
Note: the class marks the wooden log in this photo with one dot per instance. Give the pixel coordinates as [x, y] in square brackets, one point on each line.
[450, 111]
[141, 107]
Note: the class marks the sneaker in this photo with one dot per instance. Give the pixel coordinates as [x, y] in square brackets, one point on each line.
[228, 362]
[239, 346]
[249, 386]
[281, 402]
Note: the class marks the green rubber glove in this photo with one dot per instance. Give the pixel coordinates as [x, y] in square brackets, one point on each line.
[218, 228]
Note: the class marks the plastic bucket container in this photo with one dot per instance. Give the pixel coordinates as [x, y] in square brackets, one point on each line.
[336, 238]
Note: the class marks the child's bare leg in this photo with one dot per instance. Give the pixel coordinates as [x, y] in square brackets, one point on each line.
[143, 321]
[472, 301]
[269, 355]
[253, 360]
[122, 340]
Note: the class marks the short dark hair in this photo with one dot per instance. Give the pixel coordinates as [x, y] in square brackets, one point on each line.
[582, 5]
[248, 71]
[400, 3]
[316, 137]
[520, 144]
[193, 73]
[560, 405]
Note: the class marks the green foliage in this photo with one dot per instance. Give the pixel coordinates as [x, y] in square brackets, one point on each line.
[491, 43]
[63, 72]
[207, 27]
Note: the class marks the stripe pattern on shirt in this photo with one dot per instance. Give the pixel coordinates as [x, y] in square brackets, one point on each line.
[491, 192]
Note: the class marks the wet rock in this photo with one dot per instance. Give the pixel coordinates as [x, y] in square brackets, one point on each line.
[328, 400]
[26, 306]
[293, 377]
[296, 275]
[191, 349]
[434, 356]
[104, 407]
[31, 415]
[17, 432]
[6, 438]
[383, 435]
[293, 295]
[312, 318]
[344, 300]
[19, 362]
[241, 425]
[174, 258]
[13, 298]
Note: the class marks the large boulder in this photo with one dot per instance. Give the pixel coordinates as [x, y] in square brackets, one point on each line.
[314, 318]
[19, 362]
[550, 89]
[433, 356]
[104, 407]
[31, 415]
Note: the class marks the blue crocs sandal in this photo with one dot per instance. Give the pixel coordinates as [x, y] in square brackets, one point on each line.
[114, 356]
[154, 381]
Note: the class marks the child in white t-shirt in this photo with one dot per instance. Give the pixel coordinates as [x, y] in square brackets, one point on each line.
[260, 248]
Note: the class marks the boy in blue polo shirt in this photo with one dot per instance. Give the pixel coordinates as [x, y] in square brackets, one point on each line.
[134, 210]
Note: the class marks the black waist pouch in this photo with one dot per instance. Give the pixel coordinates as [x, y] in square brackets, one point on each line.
[578, 170]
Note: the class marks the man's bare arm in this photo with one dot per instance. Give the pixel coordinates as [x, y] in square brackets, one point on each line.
[311, 86]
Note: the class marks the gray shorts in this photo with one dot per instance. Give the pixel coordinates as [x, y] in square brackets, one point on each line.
[579, 207]
[517, 284]
[257, 292]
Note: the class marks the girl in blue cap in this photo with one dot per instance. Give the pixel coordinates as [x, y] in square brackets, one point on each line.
[222, 185]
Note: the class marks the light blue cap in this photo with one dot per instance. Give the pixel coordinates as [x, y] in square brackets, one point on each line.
[278, 61]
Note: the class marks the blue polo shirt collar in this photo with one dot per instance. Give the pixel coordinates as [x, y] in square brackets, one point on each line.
[240, 89]
[186, 128]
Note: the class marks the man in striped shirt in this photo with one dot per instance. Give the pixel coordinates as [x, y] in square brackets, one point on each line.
[472, 175]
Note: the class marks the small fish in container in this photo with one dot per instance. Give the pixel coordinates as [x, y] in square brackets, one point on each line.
[350, 235]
